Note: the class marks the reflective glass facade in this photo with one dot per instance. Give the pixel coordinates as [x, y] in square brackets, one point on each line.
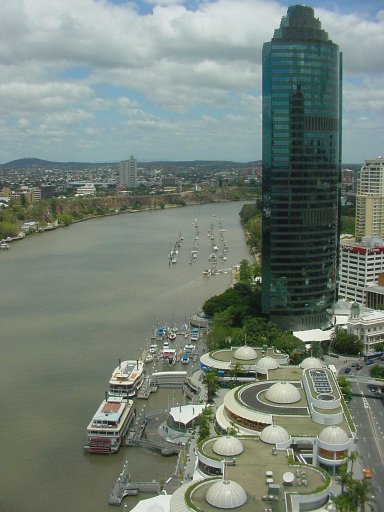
[301, 171]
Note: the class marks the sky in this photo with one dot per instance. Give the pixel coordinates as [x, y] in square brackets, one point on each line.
[100, 80]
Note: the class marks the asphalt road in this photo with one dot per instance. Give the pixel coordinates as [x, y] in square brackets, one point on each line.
[367, 410]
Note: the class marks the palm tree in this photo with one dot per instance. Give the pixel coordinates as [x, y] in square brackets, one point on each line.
[352, 457]
[345, 477]
[211, 383]
[362, 493]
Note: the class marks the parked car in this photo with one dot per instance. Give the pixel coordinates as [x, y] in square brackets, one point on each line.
[370, 361]
[347, 370]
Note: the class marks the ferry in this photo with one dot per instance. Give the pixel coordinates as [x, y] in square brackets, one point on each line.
[126, 379]
[109, 425]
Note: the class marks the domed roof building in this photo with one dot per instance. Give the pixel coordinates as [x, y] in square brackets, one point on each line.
[268, 363]
[228, 446]
[226, 494]
[283, 393]
[274, 434]
[333, 435]
[245, 353]
[311, 362]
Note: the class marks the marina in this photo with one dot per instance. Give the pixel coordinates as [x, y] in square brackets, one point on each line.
[102, 298]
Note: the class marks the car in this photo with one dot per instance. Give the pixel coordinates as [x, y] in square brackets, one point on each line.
[382, 358]
[370, 361]
[358, 366]
[347, 370]
[372, 388]
[367, 472]
[353, 365]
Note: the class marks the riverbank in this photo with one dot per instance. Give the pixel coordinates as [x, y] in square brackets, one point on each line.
[155, 207]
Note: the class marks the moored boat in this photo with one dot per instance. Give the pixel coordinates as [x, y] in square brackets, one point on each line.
[109, 425]
[127, 378]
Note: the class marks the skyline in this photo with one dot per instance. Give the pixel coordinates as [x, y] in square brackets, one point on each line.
[188, 89]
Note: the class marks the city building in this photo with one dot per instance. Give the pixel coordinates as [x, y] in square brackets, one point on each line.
[302, 71]
[374, 294]
[370, 199]
[361, 263]
[368, 325]
[283, 433]
[88, 189]
[128, 173]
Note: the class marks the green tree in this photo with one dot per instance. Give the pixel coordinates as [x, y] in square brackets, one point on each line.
[65, 218]
[245, 272]
[210, 379]
[345, 343]
[8, 229]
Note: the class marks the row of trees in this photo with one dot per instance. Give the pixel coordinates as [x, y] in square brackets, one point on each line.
[355, 494]
[236, 317]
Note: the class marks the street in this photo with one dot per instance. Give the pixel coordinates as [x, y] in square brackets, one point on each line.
[367, 410]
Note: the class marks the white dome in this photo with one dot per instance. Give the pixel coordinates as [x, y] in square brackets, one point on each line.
[333, 435]
[226, 494]
[311, 362]
[283, 393]
[245, 353]
[268, 363]
[228, 446]
[274, 434]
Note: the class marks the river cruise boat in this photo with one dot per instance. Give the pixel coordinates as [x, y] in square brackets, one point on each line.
[109, 425]
[126, 379]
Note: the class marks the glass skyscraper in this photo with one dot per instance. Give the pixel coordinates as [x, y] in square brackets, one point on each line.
[302, 73]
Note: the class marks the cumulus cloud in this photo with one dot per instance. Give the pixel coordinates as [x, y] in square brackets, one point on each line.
[96, 73]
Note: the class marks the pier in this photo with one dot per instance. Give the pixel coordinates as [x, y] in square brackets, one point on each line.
[124, 487]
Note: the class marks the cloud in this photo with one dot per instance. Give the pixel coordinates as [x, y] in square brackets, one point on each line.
[153, 73]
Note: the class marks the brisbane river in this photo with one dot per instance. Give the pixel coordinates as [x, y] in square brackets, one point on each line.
[73, 301]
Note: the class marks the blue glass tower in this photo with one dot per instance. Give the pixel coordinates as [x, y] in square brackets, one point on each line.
[302, 73]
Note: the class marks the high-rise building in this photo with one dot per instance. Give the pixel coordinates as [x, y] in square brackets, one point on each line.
[128, 173]
[302, 72]
[361, 264]
[370, 199]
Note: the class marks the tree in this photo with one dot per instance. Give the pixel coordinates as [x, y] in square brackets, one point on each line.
[210, 379]
[345, 343]
[344, 477]
[245, 272]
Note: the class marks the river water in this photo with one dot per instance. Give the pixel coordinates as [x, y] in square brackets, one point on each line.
[72, 302]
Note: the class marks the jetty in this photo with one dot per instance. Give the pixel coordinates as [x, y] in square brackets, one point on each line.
[124, 487]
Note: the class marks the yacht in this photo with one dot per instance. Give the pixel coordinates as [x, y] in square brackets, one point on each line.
[126, 379]
[109, 425]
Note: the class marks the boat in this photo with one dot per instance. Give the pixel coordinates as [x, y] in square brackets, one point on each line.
[195, 333]
[184, 358]
[127, 378]
[206, 272]
[160, 333]
[153, 349]
[172, 336]
[4, 246]
[109, 425]
[148, 358]
[169, 355]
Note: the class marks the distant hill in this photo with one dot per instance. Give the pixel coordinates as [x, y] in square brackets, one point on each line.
[35, 163]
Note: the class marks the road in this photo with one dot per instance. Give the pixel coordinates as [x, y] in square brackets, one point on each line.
[367, 411]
